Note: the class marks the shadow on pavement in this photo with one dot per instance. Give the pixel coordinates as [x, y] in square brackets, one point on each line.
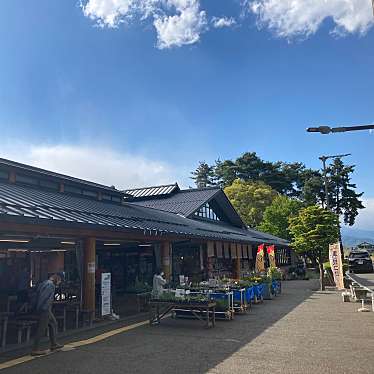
[175, 346]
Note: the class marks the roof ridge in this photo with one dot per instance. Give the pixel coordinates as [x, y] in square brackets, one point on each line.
[54, 174]
[201, 189]
[149, 187]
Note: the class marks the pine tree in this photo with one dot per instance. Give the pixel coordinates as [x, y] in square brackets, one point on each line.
[203, 175]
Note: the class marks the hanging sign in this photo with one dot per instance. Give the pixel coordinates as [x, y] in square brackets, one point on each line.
[219, 249]
[106, 297]
[210, 249]
[91, 267]
[271, 255]
[260, 258]
[239, 249]
[245, 251]
[226, 248]
[249, 250]
[336, 265]
[233, 250]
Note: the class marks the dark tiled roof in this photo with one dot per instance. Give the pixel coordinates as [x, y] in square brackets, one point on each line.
[51, 174]
[185, 202]
[29, 205]
[155, 191]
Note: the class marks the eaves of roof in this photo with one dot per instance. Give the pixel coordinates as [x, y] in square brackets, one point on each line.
[29, 205]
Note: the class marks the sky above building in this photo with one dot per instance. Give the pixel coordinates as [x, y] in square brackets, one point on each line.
[136, 92]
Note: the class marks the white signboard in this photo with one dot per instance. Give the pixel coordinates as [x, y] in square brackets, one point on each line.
[106, 295]
[336, 265]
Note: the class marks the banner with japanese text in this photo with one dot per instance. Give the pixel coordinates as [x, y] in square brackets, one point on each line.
[271, 255]
[260, 258]
[336, 265]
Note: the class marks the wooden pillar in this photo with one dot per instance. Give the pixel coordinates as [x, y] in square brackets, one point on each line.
[89, 274]
[166, 259]
[237, 268]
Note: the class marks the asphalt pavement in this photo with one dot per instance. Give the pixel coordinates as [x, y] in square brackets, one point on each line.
[302, 331]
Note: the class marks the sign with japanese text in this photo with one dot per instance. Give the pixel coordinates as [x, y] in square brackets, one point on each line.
[336, 265]
[106, 294]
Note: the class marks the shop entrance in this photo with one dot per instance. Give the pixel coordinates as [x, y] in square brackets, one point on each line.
[189, 260]
[132, 266]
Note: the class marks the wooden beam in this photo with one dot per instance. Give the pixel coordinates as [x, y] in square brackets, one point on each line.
[63, 230]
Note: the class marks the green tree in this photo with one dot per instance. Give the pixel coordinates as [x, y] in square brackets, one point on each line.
[343, 199]
[276, 216]
[250, 199]
[225, 172]
[285, 178]
[312, 187]
[203, 175]
[312, 230]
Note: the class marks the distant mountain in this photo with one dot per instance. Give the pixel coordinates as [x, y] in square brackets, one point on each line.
[352, 237]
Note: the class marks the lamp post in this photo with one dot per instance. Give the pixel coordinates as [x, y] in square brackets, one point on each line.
[328, 130]
[324, 159]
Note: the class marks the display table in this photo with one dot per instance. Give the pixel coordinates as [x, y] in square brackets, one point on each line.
[204, 312]
[240, 301]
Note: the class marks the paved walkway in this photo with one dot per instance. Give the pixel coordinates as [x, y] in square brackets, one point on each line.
[303, 331]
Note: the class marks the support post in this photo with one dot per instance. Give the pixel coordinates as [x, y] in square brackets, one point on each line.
[89, 261]
[166, 259]
[237, 268]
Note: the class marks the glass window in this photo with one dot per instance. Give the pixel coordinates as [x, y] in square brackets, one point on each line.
[3, 174]
[116, 199]
[106, 197]
[207, 212]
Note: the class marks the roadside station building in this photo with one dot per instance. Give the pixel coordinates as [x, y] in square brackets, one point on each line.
[51, 222]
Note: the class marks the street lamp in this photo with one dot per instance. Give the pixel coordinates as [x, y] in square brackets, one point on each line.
[324, 159]
[327, 129]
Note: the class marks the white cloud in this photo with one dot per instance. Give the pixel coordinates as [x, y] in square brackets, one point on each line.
[365, 219]
[223, 22]
[95, 164]
[182, 28]
[302, 18]
[177, 22]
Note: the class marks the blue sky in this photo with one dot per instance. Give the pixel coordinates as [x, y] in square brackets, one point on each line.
[130, 96]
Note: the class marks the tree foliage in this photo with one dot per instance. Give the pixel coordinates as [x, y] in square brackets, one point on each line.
[203, 175]
[285, 178]
[312, 230]
[343, 198]
[276, 216]
[250, 199]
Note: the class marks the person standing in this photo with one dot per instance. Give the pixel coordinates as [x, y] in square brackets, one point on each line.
[158, 283]
[43, 308]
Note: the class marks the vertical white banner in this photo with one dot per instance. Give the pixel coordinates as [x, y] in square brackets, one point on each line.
[336, 265]
[106, 294]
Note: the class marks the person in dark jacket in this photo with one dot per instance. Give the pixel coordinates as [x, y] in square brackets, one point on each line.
[43, 308]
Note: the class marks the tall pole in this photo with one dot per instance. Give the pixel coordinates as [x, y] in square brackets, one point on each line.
[323, 159]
